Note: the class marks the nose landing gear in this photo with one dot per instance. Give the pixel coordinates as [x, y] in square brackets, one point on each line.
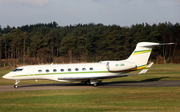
[15, 85]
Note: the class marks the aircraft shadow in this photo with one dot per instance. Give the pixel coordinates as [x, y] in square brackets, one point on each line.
[132, 82]
[114, 83]
[154, 79]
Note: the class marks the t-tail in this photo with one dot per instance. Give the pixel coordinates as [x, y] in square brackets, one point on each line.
[142, 52]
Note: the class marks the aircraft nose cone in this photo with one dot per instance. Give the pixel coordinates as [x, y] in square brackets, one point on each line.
[4, 77]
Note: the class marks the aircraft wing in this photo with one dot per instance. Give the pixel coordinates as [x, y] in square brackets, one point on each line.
[95, 77]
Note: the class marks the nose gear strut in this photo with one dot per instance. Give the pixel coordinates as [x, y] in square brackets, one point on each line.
[15, 85]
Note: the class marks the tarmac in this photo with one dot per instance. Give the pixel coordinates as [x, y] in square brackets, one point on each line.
[174, 83]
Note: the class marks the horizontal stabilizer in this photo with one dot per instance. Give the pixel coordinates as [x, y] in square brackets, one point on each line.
[146, 68]
[155, 44]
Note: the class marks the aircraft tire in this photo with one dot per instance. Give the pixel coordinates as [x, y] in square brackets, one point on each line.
[88, 82]
[95, 85]
[15, 86]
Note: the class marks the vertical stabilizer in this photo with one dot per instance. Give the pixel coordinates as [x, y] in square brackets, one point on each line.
[142, 52]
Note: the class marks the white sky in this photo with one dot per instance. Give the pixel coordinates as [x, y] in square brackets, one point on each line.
[66, 12]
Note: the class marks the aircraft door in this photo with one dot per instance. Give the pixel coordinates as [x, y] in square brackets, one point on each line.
[30, 73]
[107, 66]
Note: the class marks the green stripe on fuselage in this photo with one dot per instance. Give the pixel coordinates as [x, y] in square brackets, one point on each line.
[139, 67]
[63, 73]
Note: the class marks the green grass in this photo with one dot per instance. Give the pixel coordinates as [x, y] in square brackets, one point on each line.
[156, 72]
[108, 99]
[156, 99]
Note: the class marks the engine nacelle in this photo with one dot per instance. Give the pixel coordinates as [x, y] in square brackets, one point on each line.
[120, 65]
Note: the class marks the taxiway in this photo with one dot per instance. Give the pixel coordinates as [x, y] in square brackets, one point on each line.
[4, 88]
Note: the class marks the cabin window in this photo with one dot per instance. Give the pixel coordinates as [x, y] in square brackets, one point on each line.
[39, 70]
[76, 69]
[54, 70]
[84, 69]
[62, 70]
[91, 68]
[69, 69]
[47, 70]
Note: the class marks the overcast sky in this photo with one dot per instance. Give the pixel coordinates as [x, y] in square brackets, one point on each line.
[108, 12]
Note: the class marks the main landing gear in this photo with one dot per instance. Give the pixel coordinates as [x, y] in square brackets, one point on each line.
[95, 84]
[15, 85]
[90, 82]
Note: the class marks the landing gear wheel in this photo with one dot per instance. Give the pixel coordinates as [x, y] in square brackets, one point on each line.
[88, 83]
[95, 85]
[15, 86]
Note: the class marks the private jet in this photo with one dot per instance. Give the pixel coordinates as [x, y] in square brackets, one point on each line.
[88, 73]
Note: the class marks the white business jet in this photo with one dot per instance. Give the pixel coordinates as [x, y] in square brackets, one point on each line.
[89, 73]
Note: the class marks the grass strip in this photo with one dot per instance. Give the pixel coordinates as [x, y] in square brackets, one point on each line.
[109, 99]
[155, 73]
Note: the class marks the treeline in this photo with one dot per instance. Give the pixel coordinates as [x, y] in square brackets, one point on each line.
[46, 43]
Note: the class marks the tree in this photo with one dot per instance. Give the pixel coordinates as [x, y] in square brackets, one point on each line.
[1, 44]
[82, 47]
[35, 44]
[68, 45]
[25, 37]
[6, 41]
[90, 42]
[16, 43]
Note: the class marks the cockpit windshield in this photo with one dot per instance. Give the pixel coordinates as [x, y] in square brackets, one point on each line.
[17, 69]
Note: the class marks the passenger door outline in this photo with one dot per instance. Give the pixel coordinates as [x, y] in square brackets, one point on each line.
[30, 72]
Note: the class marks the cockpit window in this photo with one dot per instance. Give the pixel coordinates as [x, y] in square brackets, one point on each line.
[17, 69]
[14, 70]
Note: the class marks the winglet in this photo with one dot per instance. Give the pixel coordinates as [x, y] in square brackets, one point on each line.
[146, 68]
